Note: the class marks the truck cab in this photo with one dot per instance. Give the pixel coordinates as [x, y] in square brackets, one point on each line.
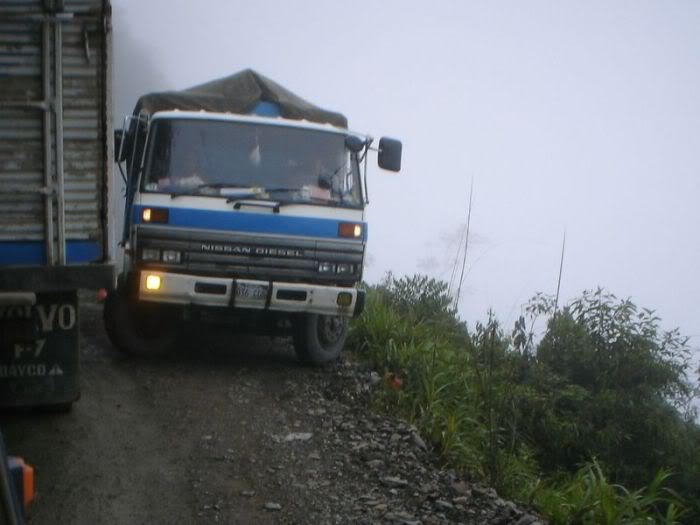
[257, 220]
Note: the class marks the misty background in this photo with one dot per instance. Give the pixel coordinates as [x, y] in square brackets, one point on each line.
[582, 117]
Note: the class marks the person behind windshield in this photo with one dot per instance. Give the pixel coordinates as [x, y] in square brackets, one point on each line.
[183, 176]
[303, 175]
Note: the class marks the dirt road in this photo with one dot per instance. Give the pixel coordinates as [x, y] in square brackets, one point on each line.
[231, 429]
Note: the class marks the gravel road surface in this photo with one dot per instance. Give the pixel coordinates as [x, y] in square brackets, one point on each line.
[230, 429]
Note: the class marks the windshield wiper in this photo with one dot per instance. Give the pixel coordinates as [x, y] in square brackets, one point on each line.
[215, 185]
[219, 185]
[235, 198]
[312, 200]
[273, 205]
[279, 190]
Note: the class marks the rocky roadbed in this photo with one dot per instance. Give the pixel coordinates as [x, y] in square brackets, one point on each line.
[362, 467]
[231, 429]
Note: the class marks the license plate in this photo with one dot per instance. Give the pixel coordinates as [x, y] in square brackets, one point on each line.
[251, 292]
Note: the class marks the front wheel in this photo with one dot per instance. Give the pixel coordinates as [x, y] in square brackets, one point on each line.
[135, 328]
[319, 339]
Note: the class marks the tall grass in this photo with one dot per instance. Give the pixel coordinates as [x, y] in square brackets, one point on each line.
[589, 498]
[452, 389]
[494, 412]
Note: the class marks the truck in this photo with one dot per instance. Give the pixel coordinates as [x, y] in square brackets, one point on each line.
[245, 205]
[56, 162]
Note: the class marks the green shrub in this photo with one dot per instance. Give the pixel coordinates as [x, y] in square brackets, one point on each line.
[603, 382]
[612, 385]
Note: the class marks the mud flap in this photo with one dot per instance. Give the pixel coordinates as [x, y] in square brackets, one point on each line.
[39, 351]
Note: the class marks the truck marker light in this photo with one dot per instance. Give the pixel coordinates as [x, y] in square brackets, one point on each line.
[326, 267]
[344, 299]
[171, 256]
[150, 254]
[154, 215]
[349, 229]
[153, 282]
[344, 268]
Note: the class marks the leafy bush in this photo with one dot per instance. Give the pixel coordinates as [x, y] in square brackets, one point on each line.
[614, 386]
[423, 298]
[603, 382]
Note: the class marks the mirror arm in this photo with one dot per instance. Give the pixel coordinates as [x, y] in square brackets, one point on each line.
[365, 174]
[368, 148]
[121, 170]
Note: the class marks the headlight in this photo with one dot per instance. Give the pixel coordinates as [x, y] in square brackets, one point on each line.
[153, 282]
[171, 256]
[344, 268]
[150, 254]
[344, 299]
[326, 267]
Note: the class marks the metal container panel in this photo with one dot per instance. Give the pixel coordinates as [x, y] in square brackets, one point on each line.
[55, 136]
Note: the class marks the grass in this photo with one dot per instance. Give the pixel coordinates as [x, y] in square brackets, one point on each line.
[466, 392]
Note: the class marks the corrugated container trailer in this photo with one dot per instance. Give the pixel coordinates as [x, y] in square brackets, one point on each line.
[56, 151]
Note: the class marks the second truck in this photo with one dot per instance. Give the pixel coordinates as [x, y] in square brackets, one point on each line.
[244, 205]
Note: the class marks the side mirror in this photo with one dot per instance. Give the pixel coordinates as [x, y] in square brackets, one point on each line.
[389, 154]
[119, 145]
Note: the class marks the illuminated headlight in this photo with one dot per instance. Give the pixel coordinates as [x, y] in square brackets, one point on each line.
[344, 268]
[153, 282]
[326, 267]
[150, 254]
[171, 256]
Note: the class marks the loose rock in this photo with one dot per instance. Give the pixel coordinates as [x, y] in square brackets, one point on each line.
[390, 481]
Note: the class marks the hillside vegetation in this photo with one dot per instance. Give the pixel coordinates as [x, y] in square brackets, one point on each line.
[589, 422]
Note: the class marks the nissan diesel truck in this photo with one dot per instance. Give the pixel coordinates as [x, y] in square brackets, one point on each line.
[56, 165]
[245, 204]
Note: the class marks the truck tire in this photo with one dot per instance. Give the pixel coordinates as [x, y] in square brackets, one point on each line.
[135, 328]
[319, 339]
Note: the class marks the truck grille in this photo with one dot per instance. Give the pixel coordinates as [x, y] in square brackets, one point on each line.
[251, 256]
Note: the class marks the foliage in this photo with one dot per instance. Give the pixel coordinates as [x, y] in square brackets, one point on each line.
[612, 386]
[589, 498]
[423, 300]
[602, 382]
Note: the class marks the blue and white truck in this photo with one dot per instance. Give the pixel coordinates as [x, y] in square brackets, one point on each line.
[244, 204]
[56, 165]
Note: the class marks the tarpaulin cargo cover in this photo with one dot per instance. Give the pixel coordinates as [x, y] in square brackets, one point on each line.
[239, 93]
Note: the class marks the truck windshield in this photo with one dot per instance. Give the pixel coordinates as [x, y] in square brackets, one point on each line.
[251, 161]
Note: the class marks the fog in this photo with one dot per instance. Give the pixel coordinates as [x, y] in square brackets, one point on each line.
[582, 117]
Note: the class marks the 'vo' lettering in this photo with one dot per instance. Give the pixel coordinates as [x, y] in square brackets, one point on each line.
[53, 315]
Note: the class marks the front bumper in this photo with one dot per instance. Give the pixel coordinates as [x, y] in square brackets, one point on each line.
[184, 289]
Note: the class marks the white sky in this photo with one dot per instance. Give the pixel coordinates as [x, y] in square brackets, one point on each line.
[576, 115]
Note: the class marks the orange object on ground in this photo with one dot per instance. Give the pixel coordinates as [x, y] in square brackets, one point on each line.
[393, 381]
[25, 485]
[28, 483]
